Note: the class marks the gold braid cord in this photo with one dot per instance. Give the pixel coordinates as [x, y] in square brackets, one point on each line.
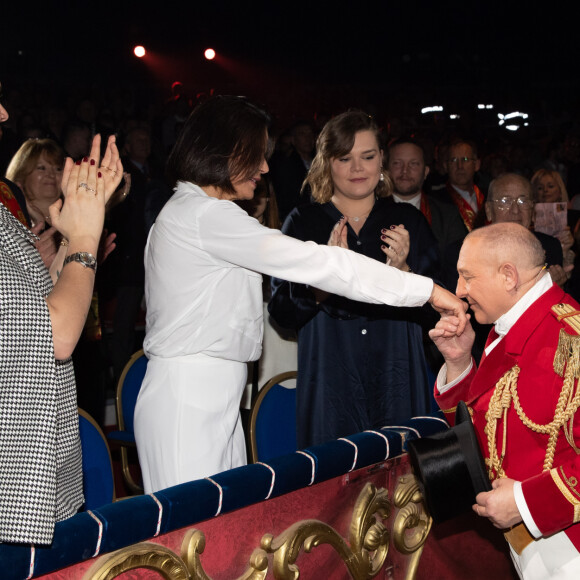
[567, 365]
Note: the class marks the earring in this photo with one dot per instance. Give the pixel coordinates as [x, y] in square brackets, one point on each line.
[382, 177]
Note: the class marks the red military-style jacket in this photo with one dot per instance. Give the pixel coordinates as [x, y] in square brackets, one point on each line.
[553, 495]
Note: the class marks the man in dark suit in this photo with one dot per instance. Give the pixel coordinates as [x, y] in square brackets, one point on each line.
[406, 165]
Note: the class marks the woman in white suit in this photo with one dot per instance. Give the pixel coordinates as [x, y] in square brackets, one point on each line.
[203, 288]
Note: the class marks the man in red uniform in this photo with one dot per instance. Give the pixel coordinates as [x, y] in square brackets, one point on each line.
[523, 397]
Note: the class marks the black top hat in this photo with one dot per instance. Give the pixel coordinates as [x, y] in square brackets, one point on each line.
[450, 468]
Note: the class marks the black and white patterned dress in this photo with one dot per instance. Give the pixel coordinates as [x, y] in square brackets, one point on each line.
[40, 455]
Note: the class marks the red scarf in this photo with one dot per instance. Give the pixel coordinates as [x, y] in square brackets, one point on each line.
[465, 210]
[425, 208]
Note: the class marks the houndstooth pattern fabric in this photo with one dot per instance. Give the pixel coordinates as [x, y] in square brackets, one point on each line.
[40, 456]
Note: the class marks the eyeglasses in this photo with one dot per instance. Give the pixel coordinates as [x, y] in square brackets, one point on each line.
[505, 203]
[456, 160]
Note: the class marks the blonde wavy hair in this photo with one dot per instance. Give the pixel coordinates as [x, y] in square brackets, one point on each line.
[26, 158]
[555, 176]
[335, 140]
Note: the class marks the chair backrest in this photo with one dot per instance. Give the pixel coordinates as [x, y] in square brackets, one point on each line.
[128, 389]
[273, 420]
[98, 482]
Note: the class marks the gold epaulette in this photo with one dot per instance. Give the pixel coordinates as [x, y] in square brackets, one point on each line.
[568, 352]
[570, 316]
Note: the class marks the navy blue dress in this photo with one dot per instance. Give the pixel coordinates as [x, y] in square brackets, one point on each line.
[360, 366]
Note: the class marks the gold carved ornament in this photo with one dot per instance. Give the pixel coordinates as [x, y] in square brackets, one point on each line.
[566, 364]
[364, 558]
[412, 523]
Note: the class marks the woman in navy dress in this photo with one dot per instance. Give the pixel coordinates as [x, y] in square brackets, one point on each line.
[360, 366]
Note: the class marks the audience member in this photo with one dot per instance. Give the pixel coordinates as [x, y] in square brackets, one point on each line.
[461, 164]
[288, 170]
[510, 199]
[549, 187]
[360, 366]
[406, 165]
[76, 139]
[37, 169]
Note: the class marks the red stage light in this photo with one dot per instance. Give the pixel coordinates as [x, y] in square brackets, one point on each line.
[209, 54]
[139, 51]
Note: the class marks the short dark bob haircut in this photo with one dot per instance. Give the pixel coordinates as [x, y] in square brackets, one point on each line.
[223, 140]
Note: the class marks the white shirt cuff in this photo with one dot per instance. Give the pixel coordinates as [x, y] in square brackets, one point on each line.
[524, 511]
[443, 386]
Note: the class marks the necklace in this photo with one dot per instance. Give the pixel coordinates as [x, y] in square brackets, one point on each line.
[354, 218]
[358, 218]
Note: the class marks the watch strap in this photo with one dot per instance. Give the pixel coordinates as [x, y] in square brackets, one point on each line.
[84, 258]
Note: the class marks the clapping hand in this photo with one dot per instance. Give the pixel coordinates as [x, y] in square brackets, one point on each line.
[396, 245]
[338, 235]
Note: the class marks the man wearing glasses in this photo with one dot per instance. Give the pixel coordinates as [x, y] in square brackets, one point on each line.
[510, 199]
[462, 163]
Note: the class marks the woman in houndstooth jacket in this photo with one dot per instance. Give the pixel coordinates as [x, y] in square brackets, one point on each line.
[40, 323]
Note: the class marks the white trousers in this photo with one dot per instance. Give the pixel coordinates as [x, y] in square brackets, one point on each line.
[187, 420]
[552, 558]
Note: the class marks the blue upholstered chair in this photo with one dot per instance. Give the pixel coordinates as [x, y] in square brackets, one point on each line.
[98, 483]
[127, 392]
[273, 420]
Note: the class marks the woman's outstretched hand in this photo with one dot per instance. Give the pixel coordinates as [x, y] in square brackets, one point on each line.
[449, 305]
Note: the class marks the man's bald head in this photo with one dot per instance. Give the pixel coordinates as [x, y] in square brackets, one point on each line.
[497, 265]
[510, 242]
[498, 185]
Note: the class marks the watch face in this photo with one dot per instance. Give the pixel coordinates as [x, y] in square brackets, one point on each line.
[87, 259]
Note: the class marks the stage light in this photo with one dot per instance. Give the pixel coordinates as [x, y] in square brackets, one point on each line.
[209, 54]
[139, 51]
[433, 109]
[517, 118]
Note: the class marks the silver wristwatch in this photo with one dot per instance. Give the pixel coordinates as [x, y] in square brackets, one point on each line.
[84, 258]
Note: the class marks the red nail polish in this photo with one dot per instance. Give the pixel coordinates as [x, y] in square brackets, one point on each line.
[99, 174]
[383, 237]
[92, 161]
[392, 227]
[85, 159]
[383, 231]
[78, 162]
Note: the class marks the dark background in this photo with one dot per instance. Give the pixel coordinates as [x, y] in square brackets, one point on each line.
[320, 56]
